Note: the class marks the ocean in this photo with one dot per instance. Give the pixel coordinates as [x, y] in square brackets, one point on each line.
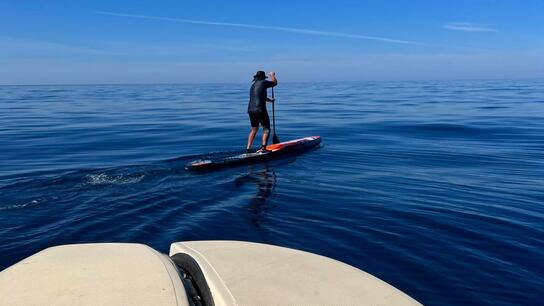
[435, 187]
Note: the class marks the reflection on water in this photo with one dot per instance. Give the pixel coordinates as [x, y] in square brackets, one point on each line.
[264, 180]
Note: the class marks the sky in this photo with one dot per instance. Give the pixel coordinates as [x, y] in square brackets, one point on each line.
[80, 42]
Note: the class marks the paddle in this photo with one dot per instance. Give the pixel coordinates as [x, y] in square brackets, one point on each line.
[275, 138]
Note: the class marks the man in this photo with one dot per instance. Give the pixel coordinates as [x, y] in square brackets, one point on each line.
[256, 109]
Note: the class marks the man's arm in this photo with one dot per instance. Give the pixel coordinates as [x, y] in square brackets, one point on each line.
[273, 82]
[273, 79]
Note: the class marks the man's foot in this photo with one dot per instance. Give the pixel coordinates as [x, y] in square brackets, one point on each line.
[248, 151]
[263, 150]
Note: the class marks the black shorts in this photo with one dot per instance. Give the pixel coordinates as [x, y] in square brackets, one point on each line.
[261, 118]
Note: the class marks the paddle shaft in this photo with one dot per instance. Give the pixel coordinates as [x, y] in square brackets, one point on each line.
[275, 138]
[274, 111]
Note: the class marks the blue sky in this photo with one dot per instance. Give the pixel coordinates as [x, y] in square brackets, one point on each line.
[56, 42]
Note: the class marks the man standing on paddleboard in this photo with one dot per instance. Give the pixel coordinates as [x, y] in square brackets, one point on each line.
[256, 108]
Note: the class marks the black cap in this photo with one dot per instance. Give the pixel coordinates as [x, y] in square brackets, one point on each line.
[260, 75]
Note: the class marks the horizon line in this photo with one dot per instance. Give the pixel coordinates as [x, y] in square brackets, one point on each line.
[288, 82]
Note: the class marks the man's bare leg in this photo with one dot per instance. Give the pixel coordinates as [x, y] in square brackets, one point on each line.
[251, 137]
[266, 133]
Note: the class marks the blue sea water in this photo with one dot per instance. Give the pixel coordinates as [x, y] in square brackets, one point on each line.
[435, 187]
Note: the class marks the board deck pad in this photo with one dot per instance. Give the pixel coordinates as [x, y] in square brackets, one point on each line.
[221, 160]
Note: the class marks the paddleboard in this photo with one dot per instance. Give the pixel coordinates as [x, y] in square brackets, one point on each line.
[274, 150]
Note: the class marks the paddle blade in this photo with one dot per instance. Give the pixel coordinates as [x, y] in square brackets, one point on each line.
[275, 139]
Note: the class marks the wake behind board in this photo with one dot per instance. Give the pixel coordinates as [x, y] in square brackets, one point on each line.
[275, 150]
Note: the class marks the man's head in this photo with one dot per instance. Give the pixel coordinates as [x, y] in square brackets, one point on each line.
[260, 75]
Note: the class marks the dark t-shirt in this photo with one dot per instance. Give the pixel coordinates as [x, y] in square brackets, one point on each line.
[257, 96]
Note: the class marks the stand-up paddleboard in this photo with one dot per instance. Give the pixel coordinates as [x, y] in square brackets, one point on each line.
[274, 150]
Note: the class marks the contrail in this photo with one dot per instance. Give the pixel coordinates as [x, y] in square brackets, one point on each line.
[253, 26]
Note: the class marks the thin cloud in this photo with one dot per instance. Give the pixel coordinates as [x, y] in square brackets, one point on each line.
[17, 47]
[262, 27]
[467, 27]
